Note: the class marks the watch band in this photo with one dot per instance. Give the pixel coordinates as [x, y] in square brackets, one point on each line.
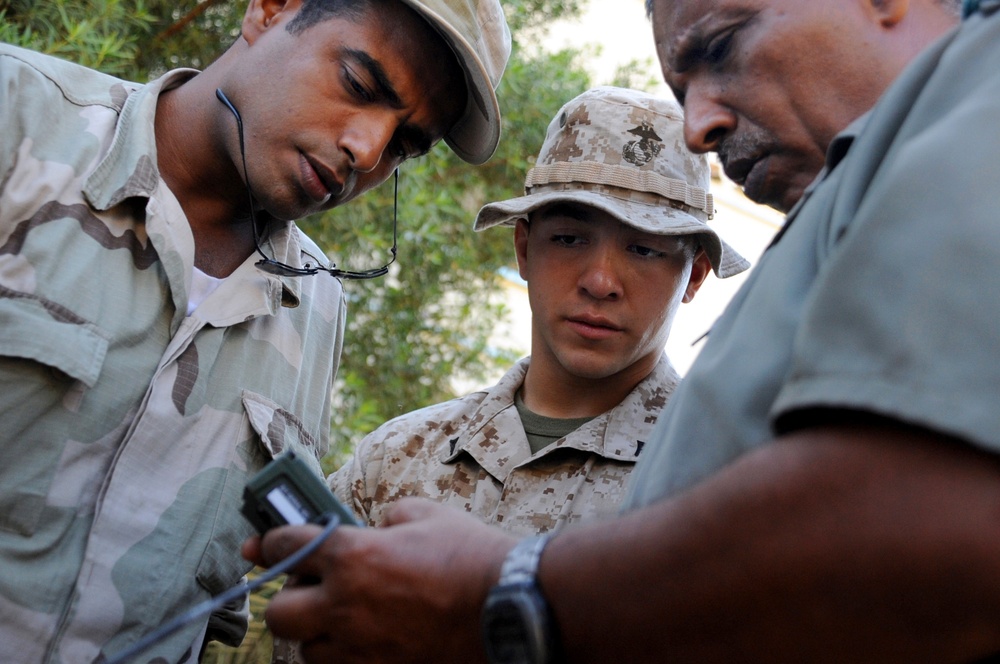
[517, 624]
[521, 563]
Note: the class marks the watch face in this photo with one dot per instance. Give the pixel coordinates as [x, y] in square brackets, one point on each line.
[515, 625]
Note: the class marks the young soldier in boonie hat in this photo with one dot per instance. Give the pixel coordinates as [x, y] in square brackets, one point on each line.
[611, 238]
[622, 151]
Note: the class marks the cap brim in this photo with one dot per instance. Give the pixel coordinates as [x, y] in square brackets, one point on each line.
[647, 217]
[474, 138]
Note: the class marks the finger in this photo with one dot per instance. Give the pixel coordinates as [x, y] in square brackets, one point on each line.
[297, 612]
[251, 550]
[280, 543]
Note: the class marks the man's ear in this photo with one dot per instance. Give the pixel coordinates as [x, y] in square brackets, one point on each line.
[521, 247]
[700, 267]
[263, 14]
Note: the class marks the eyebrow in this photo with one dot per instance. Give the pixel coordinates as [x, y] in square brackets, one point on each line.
[684, 52]
[385, 91]
[690, 47]
[384, 87]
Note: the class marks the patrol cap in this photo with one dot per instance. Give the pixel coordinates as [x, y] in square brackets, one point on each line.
[477, 32]
[622, 151]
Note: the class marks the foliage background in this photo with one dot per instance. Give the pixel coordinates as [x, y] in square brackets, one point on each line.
[410, 334]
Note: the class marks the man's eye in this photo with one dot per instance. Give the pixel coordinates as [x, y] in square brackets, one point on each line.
[644, 251]
[719, 48]
[566, 240]
[400, 148]
[356, 87]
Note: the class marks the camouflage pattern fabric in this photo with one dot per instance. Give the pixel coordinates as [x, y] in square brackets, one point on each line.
[472, 453]
[130, 428]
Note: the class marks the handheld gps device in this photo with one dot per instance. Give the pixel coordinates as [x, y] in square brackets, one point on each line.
[287, 492]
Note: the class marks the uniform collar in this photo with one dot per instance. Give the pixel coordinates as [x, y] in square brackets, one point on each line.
[618, 434]
[129, 167]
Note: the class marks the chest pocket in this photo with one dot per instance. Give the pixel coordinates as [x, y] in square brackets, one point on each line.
[280, 430]
[276, 429]
[33, 329]
[49, 358]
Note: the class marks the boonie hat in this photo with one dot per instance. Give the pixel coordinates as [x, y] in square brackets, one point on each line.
[622, 151]
[476, 30]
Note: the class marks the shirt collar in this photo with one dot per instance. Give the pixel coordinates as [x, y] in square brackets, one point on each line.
[618, 434]
[835, 153]
[129, 167]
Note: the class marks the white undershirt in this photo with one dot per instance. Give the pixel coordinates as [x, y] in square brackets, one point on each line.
[202, 285]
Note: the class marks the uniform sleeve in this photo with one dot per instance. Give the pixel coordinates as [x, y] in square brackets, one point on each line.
[902, 320]
[353, 482]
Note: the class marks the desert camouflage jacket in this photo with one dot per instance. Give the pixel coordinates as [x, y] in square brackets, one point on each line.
[130, 428]
[472, 452]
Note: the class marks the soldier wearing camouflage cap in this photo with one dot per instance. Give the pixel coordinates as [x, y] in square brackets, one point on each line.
[162, 337]
[611, 236]
[622, 151]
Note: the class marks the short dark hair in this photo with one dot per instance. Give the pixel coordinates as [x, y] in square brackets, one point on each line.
[317, 11]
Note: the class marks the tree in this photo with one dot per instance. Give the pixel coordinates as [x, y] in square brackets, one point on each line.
[100, 34]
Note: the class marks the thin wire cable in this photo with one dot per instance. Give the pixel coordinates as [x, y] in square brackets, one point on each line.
[209, 605]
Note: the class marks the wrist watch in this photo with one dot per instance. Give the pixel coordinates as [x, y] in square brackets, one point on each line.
[517, 623]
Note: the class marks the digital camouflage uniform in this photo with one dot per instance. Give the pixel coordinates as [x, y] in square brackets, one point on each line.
[129, 428]
[472, 453]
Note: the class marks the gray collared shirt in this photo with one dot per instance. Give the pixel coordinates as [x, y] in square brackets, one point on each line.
[879, 295]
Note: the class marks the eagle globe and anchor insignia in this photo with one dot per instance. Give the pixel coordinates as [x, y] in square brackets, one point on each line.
[643, 149]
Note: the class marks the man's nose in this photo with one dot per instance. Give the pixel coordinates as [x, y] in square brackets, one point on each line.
[706, 120]
[366, 143]
[600, 277]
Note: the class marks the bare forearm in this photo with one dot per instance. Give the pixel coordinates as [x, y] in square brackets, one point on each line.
[840, 545]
